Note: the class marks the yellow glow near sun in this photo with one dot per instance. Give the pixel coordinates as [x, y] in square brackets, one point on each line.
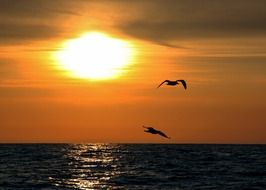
[95, 55]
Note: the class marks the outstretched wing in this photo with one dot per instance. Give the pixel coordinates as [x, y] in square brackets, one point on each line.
[162, 134]
[183, 83]
[161, 83]
[150, 128]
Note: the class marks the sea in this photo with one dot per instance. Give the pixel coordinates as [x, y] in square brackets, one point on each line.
[132, 166]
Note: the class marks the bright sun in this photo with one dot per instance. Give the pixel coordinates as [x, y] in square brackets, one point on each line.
[95, 55]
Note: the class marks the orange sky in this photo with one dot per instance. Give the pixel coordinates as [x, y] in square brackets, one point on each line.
[218, 47]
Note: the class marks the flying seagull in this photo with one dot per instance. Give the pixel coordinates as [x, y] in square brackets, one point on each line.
[174, 82]
[154, 131]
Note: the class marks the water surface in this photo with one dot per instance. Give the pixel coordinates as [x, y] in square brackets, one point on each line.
[132, 166]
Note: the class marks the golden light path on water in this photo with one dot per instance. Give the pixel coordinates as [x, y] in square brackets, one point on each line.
[95, 55]
[90, 166]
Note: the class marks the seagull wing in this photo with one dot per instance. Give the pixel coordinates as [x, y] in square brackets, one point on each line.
[147, 127]
[183, 83]
[161, 83]
[162, 134]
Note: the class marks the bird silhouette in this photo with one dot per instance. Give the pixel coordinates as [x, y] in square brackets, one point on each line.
[173, 83]
[154, 131]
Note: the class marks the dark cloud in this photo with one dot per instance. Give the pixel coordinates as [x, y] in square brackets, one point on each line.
[34, 8]
[160, 21]
[165, 21]
[190, 30]
[18, 33]
[22, 21]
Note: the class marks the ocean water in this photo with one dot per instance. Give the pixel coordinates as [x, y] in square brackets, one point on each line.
[132, 166]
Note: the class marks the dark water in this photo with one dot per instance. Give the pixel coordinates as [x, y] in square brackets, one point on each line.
[132, 166]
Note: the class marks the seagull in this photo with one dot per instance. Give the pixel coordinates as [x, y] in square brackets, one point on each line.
[154, 131]
[173, 83]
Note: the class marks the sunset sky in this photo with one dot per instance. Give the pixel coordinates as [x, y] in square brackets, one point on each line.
[48, 93]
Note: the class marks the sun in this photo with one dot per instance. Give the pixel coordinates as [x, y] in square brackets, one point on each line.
[95, 55]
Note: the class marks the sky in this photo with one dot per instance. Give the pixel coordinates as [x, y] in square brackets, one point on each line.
[218, 47]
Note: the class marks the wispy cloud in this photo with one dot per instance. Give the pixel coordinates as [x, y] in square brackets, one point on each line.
[35, 8]
[17, 33]
[165, 23]
[189, 20]
[25, 21]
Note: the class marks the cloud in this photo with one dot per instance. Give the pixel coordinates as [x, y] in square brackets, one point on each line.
[18, 33]
[24, 21]
[34, 8]
[188, 20]
[179, 30]
[164, 23]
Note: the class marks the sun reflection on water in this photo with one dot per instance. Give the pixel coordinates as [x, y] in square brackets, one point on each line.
[90, 166]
